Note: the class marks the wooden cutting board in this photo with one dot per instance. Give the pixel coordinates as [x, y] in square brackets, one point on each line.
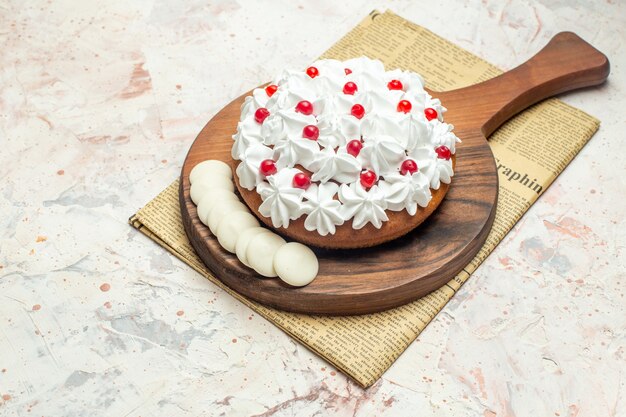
[378, 278]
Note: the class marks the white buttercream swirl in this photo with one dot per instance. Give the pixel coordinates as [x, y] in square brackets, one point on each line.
[284, 124]
[248, 134]
[441, 134]
[281, 201]
[337, 126]
[368, 74]
[363, 206]
[396, 125]
[322, 210]
[387, 134]
[294, 151]
[437, 170]
[339, 166]
[382, 154]
[248, 170]
[406, 191]
[251, 104]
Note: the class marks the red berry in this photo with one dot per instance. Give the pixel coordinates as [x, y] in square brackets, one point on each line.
[348, 71]
[350, 88]
[404, 106]
[357, 111]
[394, 85]
[312, 72]
[354, 147]
[408, 167]
[271, 89]
[430, 113]
[443, 152]
[310, 132]
[304, 107]
[261, 114]
[301, 180]
[368, 179]
[268, 167]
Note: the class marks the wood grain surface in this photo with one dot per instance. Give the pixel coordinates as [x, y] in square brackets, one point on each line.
[385, 276]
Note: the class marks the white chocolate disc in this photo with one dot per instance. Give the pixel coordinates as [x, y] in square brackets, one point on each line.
[210, 200]
[200, 189]
[244, 239]
[260, 253]
[220, 210]
[231, 226]
[213, 181]
[204, 208]
[212, 168]
[296, 264]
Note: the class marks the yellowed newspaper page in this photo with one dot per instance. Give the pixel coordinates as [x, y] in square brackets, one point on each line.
[531, 150]
[363, 347]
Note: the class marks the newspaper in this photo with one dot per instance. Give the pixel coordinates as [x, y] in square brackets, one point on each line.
[531, 150]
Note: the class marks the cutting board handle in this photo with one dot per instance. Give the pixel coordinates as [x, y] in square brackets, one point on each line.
[566, 63]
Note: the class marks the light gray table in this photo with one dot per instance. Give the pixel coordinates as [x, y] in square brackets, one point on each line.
[99, 102]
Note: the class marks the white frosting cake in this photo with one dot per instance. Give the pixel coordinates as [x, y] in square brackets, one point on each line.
[340, 141]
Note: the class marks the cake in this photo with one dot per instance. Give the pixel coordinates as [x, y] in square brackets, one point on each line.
[343, 154]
